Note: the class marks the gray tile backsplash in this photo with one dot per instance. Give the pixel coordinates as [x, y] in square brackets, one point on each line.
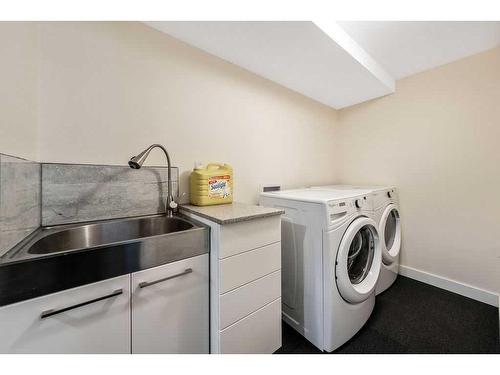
[33, 194]
[76, 192]
[19, 200]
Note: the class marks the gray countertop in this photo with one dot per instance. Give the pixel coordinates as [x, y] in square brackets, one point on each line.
[232, 213]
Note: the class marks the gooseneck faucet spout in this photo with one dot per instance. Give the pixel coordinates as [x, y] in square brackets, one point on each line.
[136, 162]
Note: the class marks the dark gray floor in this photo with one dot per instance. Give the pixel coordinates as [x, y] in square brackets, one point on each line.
[413, 317]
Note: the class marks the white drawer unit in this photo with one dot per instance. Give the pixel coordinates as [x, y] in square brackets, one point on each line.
[245, 280]
[93, 318]
[170, 308]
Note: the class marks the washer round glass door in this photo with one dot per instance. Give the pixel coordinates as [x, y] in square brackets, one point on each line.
[358, 260]
[390, 234]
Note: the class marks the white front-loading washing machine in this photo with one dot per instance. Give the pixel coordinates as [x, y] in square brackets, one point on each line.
[331, 256]
[386, 215]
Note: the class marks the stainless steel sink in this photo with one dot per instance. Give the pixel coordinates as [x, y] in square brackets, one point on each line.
[66, 256]
[92, 235]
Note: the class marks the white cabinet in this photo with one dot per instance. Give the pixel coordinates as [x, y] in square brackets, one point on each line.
[245, 285]
[159, 310]
[93, 318]
[170, 308]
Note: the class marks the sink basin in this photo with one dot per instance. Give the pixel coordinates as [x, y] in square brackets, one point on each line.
[93, 235]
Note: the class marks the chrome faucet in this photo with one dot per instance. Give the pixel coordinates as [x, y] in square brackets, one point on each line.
[136, 162]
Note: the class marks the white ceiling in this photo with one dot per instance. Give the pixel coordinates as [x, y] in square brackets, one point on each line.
[325, 65]
[337, 63]
[404, 48]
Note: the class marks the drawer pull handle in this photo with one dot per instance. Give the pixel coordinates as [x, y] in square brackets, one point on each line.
[52, 312]
[146, 283]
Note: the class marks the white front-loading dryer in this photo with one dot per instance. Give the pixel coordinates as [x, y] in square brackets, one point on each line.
[331, 258]
[386, 211]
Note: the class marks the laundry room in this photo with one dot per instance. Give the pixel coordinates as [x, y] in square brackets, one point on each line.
[250, 185]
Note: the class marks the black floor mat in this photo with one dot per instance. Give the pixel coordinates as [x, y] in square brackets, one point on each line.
[413, 317]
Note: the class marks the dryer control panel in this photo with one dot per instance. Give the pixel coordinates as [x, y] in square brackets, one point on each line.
[382, 198]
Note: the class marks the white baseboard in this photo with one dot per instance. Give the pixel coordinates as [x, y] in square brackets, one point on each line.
[451, 285]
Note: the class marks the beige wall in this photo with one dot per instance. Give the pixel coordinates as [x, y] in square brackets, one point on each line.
[438, 140]
[111, 89]
[18, 89]
[107, 90]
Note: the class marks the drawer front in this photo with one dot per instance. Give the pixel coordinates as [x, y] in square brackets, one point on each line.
[240, 237]
[249, 266]
[102, 326]
[244, 300]
[258, 333]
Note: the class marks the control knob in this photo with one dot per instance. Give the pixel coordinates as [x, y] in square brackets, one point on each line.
[358, 203]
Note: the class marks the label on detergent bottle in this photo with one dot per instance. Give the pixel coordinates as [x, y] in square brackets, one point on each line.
[218, 187]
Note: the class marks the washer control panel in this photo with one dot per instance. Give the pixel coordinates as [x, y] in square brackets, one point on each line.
[339, 208]
[335, 207]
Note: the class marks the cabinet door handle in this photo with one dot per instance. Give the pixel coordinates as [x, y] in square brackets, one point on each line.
[146, 283]
[52, 312]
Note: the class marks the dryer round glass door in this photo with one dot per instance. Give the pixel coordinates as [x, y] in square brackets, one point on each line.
[358, 260]
[390, 234]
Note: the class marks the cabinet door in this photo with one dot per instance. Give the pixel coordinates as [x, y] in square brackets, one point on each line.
[93, 318]
[170, 311]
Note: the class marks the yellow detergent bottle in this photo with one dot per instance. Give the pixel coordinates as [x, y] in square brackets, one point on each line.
[210, 185]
